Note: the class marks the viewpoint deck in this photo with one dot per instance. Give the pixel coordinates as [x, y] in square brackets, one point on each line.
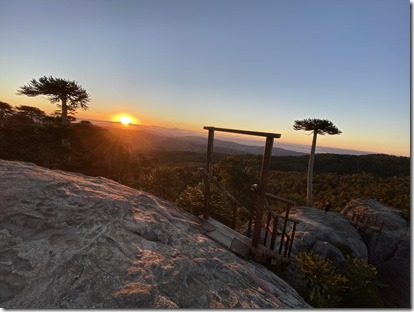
[261, 216]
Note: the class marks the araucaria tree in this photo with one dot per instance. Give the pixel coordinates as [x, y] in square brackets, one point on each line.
[317, 126]
[67, 94]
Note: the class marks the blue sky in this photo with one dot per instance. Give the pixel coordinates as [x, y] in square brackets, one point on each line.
[254, 65]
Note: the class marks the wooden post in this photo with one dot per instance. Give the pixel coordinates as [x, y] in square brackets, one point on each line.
[209, 170]
[262, 191]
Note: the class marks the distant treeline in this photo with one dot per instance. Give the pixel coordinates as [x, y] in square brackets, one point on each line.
[378, 164]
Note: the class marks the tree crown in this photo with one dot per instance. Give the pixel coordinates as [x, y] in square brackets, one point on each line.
[5, 107]
[321, 126]
[57, 89]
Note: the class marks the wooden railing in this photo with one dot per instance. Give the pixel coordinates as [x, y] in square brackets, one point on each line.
[286, 225]
[363, 222]
[238, 208]
[271, 226]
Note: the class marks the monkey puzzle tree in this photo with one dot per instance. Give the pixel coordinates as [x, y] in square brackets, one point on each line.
[67, 94]
[317, 126]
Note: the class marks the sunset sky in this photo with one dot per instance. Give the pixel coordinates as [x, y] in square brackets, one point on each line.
[253, 65]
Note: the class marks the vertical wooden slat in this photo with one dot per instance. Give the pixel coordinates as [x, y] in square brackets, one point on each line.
[293, 237]
[286, 245]
[253, 193]
[262, 191]
[209, 170]
[274, 233]
[267, 228]
[284, 228]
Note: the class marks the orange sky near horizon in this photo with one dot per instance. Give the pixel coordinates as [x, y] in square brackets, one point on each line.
[347, 140]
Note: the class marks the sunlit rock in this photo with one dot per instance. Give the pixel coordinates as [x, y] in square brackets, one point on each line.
[72, 241]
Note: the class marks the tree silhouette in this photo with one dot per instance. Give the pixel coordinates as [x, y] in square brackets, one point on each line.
[69, 94]
[5, 110]
[317, 126]
[34, 113]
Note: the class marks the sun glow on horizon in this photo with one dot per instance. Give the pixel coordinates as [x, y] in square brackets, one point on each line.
[125, 119]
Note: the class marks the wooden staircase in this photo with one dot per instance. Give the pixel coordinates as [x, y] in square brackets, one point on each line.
[239, 244]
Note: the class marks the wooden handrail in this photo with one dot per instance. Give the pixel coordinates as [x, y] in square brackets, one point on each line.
[222, 188]
[284, 200]
[275, 215]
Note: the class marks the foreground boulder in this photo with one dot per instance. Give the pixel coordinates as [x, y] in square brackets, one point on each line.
[330, 235]
[71, 241]
[388, 249]
[326, 234]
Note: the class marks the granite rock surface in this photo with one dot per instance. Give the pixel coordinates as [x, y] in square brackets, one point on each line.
[73, 241]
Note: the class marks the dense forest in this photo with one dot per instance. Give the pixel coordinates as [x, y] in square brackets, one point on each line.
[28, 134]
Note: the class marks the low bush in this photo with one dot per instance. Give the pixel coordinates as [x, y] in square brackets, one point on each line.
[357, 287]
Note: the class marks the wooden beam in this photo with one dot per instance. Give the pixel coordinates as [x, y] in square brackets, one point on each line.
[246, 132]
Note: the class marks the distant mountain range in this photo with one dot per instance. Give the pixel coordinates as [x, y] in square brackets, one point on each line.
[153, 138]
[145, 141]
[199, 144]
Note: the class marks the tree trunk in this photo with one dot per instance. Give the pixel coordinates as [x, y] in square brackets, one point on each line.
[65, 120]
[310, 170]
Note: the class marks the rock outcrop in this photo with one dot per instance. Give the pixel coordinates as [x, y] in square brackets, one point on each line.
[331, 234]
[325, 234]
[388, 250]
[72, 241]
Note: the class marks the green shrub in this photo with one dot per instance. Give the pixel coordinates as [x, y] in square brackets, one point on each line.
[324, 284]
[358, 287]
[364, 287]
[192, 200]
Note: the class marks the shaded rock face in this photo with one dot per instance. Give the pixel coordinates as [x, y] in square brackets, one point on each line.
[389, 250]
[71, 241]
[324, 234]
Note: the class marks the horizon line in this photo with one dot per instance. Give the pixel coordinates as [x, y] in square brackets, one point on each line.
[299, 147]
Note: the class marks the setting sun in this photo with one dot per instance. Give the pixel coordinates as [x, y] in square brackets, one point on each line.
[125, 119]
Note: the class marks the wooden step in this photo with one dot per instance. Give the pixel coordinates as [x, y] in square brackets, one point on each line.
[227, 237]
